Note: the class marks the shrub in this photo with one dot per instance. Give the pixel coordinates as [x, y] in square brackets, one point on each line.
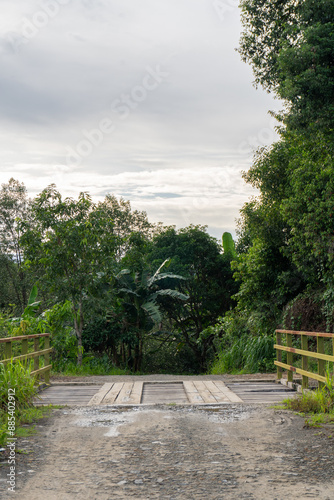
[243, 346]
[16, 376]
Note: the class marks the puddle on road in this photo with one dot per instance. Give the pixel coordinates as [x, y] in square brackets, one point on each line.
[112, 417]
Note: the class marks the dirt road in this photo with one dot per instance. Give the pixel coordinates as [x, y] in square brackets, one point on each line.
[172, 452]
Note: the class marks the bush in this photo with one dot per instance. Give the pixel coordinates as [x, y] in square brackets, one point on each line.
[15, 376]
[169, 358]
[308, 402]
[91, 365]
[243, 346]
[247, 354]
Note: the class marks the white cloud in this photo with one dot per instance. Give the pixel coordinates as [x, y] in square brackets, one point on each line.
[189, 138]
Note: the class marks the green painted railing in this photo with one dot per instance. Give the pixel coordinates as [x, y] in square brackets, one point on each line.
[29, 342]
[305, 354]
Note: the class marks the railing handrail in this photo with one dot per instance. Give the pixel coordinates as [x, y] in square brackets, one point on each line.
[23, 337]
[35, 354]
[308, 334]
[305, 355]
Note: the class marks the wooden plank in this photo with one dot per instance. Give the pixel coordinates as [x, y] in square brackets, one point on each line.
[305, 361]
[279, 354]
[113, 393]
[204, 392]
[289, 356]
[247, 392]
[124, 394]
[41, 370]
[164, 393]
[309, 334]
[23, 337]
[136, 393]
[67, 395]
[315, 376]
[219, 396]
[100, 395]
[321, 362]
[31, 355]
[309, 354]
[192, 393]
[232, 397]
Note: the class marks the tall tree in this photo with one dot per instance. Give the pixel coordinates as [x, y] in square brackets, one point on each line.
[128, 225]
[209, 284]
[140, 309]
[290, 45]
[14, 207]
[286, 233]
[72, 240]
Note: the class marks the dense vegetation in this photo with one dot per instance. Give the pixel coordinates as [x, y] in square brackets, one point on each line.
[118, 292]
[111, 286]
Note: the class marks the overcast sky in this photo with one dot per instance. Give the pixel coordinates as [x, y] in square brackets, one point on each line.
[144, 99]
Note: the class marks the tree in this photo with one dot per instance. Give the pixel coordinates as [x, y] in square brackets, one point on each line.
[140, 309]
[309, 207]
[286, 232]
[209, 284]
[72, 241]
[290, 45]
[128, 225]
[14, 206]
[267, 26]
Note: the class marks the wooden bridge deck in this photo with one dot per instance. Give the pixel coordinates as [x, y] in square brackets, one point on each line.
[199, 392]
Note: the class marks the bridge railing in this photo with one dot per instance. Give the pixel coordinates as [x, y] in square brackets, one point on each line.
[30, 349]
[305, 354]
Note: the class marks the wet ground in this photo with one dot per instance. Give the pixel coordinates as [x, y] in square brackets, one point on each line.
[175, 452]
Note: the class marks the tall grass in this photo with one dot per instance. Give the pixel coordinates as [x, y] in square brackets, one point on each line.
[246, 354]
[318, 405]
[91, 365]
[17, 377]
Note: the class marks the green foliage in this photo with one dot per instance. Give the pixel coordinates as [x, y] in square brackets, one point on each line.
[318, 405]
[131, 228]
[308, 402]
[16, 376]
[91, 365]
[309, 206]
[209, 284]
[14, 206]
[286, 233]
[290, 45]
[246, 355]
[267, 25]
[58, 320]
[4, 324]
[229, 246]
[140, 309]
[242, 346]
[162, 355]
[71, 241]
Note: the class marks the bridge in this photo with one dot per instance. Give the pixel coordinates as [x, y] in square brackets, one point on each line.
[191, 391]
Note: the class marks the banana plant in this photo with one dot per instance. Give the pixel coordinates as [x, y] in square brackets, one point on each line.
[139, 294]
[143, 290]
[229, 246]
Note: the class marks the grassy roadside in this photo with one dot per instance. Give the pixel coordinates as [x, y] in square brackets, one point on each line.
[17, 391]
[317, 407]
